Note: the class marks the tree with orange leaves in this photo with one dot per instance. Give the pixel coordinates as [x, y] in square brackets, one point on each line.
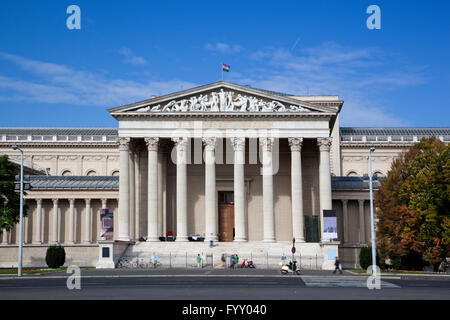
[413, 204]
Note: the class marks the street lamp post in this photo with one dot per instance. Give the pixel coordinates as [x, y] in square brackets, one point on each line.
[19, 269]
[372, 223]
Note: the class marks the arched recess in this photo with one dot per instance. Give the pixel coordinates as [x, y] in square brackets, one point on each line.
[115, 173]
[351, 173]
[91, 173]
[66, 172]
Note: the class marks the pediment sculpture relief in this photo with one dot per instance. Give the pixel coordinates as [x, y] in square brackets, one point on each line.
[223, 101]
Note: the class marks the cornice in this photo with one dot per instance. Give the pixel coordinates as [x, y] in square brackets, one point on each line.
[221, 115]
[57, 144]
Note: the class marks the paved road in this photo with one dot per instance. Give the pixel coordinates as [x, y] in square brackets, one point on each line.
[219, 285]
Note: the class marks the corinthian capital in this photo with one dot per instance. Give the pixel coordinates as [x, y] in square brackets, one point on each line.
[124, 143]
[152, 143]
[296, 144]
[238, 143]
[266, 143]
[324, 144]
[180, 143]
[210, 143]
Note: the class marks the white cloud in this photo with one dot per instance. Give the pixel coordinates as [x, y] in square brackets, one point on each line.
[131, 58]
[223, 47]
[357, 75]
[62, 84]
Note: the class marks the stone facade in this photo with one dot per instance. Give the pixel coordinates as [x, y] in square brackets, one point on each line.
[175, 153]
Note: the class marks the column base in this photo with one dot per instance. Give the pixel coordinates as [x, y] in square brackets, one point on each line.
[207, 239]
[123, 239]
[240, 240]
[269, 240]
[152, 239]
[36, 242]
[182, 239]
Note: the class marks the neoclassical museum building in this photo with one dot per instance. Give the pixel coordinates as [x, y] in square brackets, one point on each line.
[250, 169]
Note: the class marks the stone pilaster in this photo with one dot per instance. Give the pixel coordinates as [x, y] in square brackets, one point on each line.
[362, 222]
[55, 222]
[87, 221]
[71, 221]
[38, 235]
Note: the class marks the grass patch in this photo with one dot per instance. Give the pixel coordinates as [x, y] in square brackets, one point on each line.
[390, 271]
[36, 270]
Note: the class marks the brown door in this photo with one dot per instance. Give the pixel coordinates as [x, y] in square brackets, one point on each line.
[226, 216]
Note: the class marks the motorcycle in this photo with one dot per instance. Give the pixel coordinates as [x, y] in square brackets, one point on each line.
[247, 264]
[290, 268]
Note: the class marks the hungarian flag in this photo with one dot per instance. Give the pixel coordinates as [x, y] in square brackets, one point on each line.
[225, 67]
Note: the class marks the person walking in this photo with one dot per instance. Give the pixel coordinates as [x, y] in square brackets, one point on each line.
[199, 260]
[223, 260]
[236, 260]
[337, 266]
[232, 261]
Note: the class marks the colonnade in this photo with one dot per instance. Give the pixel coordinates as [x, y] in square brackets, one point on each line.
[241, 229]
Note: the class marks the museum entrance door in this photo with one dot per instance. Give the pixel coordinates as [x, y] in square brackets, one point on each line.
[226, 216]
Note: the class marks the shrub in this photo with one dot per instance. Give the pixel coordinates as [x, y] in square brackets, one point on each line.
[55, 256]
[365, 258]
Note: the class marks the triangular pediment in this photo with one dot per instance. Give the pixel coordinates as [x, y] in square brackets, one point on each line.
[221, 97]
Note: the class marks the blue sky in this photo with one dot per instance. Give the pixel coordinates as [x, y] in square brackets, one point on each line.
[127, 51]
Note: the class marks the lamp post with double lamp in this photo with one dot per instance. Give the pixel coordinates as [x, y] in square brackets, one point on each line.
[372, 223]
[19, 269]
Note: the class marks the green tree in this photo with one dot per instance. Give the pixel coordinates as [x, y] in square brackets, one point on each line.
[9, 199]
[414, 205]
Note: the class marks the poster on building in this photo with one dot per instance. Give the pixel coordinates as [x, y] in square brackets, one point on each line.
[329, 224]
[106, 224]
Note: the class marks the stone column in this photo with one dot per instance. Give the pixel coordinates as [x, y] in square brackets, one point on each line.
[137, 193]
[124, 191]
[55, 222]
[152, 179]
[104, 202]
[362, 224]
[267, 172]
[210, 190]
[239, 189]
[324, 179]
[38, 238]
[5, 237]
[71, 220]
[181, 144]
[345, 218]
[297, 189]
[132, 191]
[87, 222]
[160, 193]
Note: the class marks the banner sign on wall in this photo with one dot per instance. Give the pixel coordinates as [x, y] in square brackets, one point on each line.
[107, 223]
[330, 224]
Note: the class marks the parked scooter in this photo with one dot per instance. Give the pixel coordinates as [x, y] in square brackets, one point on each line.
[247, 264]
[290, 268]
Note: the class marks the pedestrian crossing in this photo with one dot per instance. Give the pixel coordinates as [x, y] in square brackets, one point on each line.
[342, 282]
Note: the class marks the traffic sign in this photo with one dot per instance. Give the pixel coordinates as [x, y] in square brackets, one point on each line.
[293, 250]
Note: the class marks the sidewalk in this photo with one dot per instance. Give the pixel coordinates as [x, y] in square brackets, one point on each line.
[246, 273]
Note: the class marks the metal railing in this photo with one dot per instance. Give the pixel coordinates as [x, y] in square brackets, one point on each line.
[190, 260]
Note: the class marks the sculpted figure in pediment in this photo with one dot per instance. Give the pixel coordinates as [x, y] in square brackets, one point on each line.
[168, 107]
[253, 104]
[240, 103]
[214, 102]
